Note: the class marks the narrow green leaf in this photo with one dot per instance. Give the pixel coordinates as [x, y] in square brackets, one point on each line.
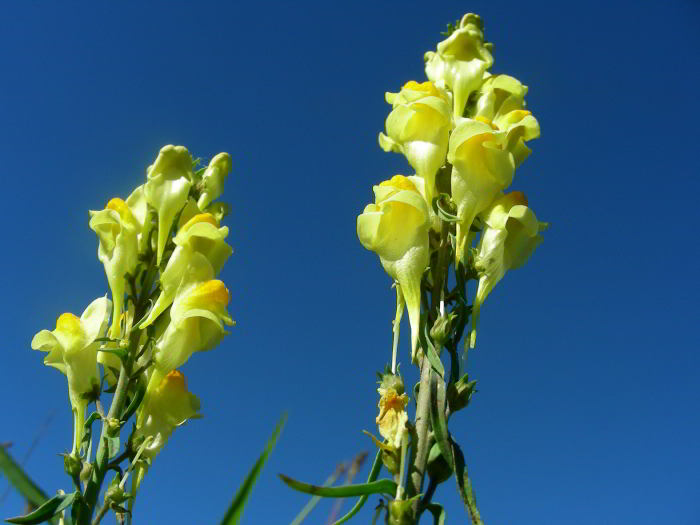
[135, 402]
[439, 513]
[438, 420]
[235, 510]
[383, 486]
[315, 499]
[119, 352]
[464, 485]
[46, 511]
[91, 419]
[373, 473]
[20, 480]
[429, 349]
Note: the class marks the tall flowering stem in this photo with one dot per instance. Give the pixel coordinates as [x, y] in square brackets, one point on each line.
[463, 131]
[162, 248]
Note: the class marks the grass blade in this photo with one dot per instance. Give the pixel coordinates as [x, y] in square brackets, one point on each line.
[235, 510]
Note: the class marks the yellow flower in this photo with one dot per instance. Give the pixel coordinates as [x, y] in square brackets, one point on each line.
[510, 236]
[170, 406]
[482, 166]
[169, 181]
[501, 102]
[72, 349]
[198, 316]
[461, 61]
[396, 228]
[392, 417]
[419, 127]
[200, 235]
[117, 230]
[213, 179]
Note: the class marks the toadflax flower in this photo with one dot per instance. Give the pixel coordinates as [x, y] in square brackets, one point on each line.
[500, 102]
[198, 316]
[511, 234]
[419, 127]
[392, 417]
[200, 235]
[396, 228]
[461, 61]
[213, 179]
[117, 230]
[482, 166]
[169, 181]
[170, 406]
[72, 349]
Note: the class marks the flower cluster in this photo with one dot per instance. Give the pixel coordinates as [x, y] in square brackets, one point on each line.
[463, 132]
[162, 249]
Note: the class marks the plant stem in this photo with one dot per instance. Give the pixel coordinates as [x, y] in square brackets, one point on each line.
[100, 514]
[102, 457]
[417, 473]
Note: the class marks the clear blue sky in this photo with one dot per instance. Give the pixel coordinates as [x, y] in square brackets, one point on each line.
[588, 362]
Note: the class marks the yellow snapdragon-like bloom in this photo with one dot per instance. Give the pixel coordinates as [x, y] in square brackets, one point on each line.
[419, 127]
[482, 166]
[169, 181]
[117, 230]
[396, 228]
[500, 102]
[170, 406]
[510, 236]
[461, 61]
[392, 417]
[72, 349]
[213, 179]
[139, 210]
[200, 235]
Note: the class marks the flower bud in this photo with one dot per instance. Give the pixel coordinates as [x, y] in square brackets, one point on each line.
[438, 469]
[86, 472]
[72, 464]
[212, 184]
[460, 393]
[400, 512]
[440, 332]
[390, 380]
[115, 495]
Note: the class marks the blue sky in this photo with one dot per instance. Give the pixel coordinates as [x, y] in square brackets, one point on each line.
[588, 397]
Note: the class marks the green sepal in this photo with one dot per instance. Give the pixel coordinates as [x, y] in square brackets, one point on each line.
[235, 510]
[429, 349]
[445, 208]
[383, 486]
[438, 512]
[460, 393]
[46, 511]
[121, 353]
[438, 419]
[373, 473]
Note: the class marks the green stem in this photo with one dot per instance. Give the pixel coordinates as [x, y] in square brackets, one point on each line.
[94, 485]
[101, 514]
[417, 473]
